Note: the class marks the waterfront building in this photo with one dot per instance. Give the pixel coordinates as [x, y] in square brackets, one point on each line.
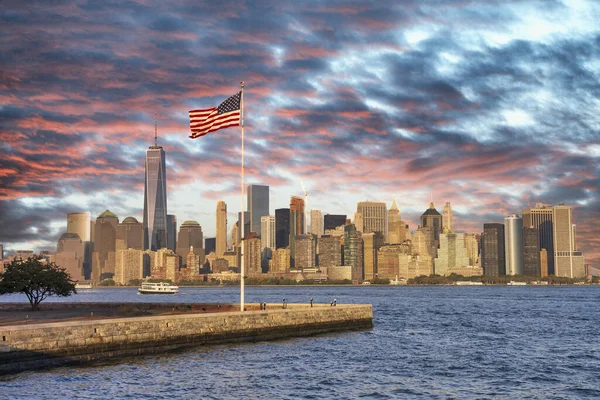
[282, 228]
[221, 232]
[190, 235]
[330, 251]
[172, 232]
[447, 218]
[70, 252]
[81, 224]
[305, 251]
[258, 206]
[452, 254]
[492, 250]
[332, 221]
[268, 236]
[210, 245]
[472, 244]
[513, 244]
[171, 264]
[316, 223]
[410, 266]
[372, 242]
[388, 266]
[531, 252]
[374, 216]
[193, 263]
[543, 263]
[129, 265]
[104, 244]
[541, 218]
[568, 260]
[252, 255]
[339, 273]
[353, 251]
[219, 265]
[280, 260]
[155, 199]
[130, 234]
[232, 259]
[431, 218]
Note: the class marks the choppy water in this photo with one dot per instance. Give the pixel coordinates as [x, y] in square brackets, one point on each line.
[428, 342]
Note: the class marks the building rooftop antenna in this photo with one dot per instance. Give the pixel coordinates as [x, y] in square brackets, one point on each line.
[155, 130]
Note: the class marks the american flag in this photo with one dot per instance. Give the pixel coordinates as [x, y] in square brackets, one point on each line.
[215, 118]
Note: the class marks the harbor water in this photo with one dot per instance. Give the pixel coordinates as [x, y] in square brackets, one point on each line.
[427, 342]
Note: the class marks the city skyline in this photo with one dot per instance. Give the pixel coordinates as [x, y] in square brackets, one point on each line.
[492, 109]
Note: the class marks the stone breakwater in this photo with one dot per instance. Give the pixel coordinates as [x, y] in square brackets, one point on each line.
[26, 347]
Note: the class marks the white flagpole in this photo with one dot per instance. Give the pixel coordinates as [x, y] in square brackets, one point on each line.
[243, 224]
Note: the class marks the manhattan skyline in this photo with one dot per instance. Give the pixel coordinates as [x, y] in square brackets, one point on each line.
[492, 108]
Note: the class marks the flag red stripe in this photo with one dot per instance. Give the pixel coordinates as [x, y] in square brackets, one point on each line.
[197, 135]
[215, 126]
[202, 113]
[214, 120]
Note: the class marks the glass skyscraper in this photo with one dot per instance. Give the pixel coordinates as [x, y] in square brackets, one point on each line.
[258, 206]
[155, 200]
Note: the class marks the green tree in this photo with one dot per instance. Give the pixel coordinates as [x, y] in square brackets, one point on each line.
[36, 279]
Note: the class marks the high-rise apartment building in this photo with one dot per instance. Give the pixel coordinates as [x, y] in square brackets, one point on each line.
[105, 244]
[332, 221]
[252, 255]
[374, 216]
[531, 252]
[155, 199]
[388, 260]
[452, 255]
[513, 244]
[221, 235]
[568, 260]
[190, 235]
[353, 251]
[540, 217]
[267, 237]
[172, 232]
[447, 218]
[372, 242]
[305, 251]
[282, 228]
[316, 222]
[492, 250]
[258, 206]
[296, 224]
[129, 265]
[431, 218]
[330, 251]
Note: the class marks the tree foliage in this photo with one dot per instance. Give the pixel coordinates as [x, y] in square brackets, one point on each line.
[36, 279]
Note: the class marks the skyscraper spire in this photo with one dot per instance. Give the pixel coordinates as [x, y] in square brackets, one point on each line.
[155, 130]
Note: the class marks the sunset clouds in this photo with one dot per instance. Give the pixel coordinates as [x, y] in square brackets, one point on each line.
[492, 105]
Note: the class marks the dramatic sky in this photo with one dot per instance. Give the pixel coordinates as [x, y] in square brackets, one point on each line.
[492, 105]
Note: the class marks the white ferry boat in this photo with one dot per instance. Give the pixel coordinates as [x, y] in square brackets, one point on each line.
[468, 283]
[79, 286]
[513, 283]
[158, 288]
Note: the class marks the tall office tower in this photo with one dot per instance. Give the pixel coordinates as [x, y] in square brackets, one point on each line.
[210, 245]
[70, 251]
[540, 217]
[374, 216]
[492, 250]
[431, 218]
[330, 251]
[252, 255]
[130, 235]
[155, 198]
[531, 252]
[221, 244]
[267, 238]
[104, 244]
[358, 221]
[372, 242]
[447, 218]
[80, 223]
[332, 221]
[472, 245]
[305, 251]
[258, 205]
[234, 236]
[353, 251]
[171, 232]
[129, 265]
[568, 261]
[190, 235]
[296, 224]
[316, 222]
[452, 255]
[282, 228]
[246, 225]
[394, 221]
[513, 244]
[543, 262]
[280, 262]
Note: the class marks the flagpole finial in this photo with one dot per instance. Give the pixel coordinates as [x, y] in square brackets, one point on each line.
[242, 84]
